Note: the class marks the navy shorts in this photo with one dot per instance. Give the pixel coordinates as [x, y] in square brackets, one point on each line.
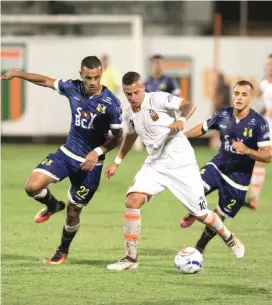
[231, 199]
[83, 184]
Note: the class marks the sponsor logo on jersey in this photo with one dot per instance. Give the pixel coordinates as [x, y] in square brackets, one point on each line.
[84, 119]
[153, 114]
[101, 108]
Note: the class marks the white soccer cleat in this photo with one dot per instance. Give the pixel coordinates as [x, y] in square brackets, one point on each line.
[237, 247]
[126, 263]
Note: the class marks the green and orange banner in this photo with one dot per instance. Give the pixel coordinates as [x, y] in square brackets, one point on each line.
[13, 56]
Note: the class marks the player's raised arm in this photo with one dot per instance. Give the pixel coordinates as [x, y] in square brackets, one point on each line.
[36, 79]
[186, 108]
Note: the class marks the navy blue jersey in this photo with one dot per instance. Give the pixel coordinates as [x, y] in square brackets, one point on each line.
[253, 131]
[164, 83]
[92, 116]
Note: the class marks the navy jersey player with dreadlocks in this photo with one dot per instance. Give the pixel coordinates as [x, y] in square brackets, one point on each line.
[245, 139]
[95, 110]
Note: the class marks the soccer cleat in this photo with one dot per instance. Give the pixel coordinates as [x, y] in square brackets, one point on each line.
[187, 221]
[236, 246]
[251, 203]
[126, 263]
[43, 215]
[57, 259]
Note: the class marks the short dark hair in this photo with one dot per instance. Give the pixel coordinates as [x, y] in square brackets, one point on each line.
[91, 62]
[157, 56]
[244, 83]
[270, 55]
[130, 78]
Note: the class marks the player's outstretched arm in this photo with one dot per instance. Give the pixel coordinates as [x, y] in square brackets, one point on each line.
[264, 154]
[195, 132]
[128, 141]
[37, 79]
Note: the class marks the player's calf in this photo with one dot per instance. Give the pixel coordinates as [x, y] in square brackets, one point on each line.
[212, 220]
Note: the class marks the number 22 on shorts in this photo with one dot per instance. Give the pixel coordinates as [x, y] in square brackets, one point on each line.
[231, 204]
[82, 192]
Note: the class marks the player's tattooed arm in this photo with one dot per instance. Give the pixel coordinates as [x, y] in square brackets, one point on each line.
[92, 158]
[36, 79]
[264, 154]
[114, 141]
[195, 132]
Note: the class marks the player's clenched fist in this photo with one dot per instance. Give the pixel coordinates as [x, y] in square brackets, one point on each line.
[241, 147]
[177, 126]
[111, 170]
[90, 161]
[10, 74]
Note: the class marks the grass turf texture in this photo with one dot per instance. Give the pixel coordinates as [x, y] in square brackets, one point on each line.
[83, 278]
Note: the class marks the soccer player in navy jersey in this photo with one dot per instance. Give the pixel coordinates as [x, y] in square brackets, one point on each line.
[159, 81]
[245, 139]
[95, 110]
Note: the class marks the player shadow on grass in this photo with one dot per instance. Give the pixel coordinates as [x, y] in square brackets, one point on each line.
[17, 257]
[232, 289]
[74, 261]
[156, 252]
[89, 262]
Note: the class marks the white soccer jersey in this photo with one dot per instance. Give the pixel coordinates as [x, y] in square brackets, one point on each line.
[166, 149]
[266, 88]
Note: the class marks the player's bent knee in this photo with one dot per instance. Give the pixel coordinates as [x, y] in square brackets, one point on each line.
[135, 200]
[33, 188]
[36, 182]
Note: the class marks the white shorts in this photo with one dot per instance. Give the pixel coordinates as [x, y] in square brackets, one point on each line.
[184, 182]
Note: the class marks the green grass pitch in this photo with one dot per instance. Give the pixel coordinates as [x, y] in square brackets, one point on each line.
[84, 280]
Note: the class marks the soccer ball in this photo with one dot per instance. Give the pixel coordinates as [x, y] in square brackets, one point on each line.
[188, 260]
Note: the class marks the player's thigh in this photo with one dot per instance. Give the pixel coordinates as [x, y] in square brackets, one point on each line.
[231, 200]
[50, 170]
[210, 178]
[186, 184]
[147, 181]
[83, 185]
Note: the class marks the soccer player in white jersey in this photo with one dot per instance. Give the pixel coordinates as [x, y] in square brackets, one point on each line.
[158, 119]
[258, 176]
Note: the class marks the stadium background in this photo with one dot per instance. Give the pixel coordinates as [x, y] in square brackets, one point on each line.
[51, 38]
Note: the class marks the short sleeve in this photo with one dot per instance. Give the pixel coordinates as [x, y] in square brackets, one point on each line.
[263, 85]
[212, 122]
[167, 101]
[263, 134]
[128, 122]
[115, 116]
[63, 86]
